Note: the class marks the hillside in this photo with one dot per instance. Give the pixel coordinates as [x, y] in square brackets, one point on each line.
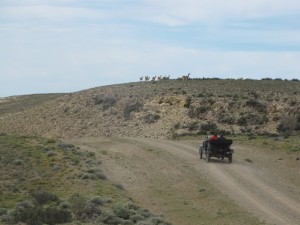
[120, 162]
[161, 109]
[16, 104]
[47, 181]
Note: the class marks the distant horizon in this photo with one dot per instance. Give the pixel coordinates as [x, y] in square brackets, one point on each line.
[70, 45]
[139, 81]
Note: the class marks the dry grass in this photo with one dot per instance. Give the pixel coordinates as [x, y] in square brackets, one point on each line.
[16, 104]
[29, 175]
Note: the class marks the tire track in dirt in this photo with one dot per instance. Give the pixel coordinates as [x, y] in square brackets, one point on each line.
[240, 183]
[256, 197]
[266, 202]
[278, 197]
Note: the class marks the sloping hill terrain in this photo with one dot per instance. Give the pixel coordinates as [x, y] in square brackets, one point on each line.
[47, 181]
[117, 129]
[161, 109]
[21, 103]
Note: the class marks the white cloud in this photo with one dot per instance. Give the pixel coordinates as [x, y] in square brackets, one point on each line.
[190, 11]
[168, 12]
[51, 13]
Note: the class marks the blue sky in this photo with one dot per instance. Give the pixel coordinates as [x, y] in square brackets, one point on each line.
[51, 46]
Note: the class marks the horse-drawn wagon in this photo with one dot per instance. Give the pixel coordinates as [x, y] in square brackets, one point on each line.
[220, 148]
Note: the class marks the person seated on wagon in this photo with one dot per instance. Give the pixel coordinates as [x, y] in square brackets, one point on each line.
[214, 137]
[222, 137]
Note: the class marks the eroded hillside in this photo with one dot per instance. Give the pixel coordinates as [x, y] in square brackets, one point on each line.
[162, 109]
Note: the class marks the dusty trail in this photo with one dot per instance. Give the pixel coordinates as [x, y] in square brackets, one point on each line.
[147, 167]
[241, 184]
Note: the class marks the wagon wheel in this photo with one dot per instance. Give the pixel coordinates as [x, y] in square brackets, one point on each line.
[207, 156]
[230, 158]
[201, 152]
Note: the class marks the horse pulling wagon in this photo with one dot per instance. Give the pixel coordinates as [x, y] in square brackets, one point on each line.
[220, 148]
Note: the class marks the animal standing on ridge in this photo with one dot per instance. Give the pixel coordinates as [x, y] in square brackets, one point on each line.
[186, 77]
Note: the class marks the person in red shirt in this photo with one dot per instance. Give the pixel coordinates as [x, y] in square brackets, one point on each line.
[214, 137]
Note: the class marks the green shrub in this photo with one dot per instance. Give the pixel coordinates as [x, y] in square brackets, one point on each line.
[144, 213]
[106, 101]
[25, 204]
[135, 106]
[150, 118]
[91, 154]
[248, 160]
[18, 162]
[176, 126]
[197, 112]
[64, 205]
[288, 124]
[50, 141]
[109, 218]
[66, 146]
[42, 197]
[92, 210]
[30, 216]
[143, 223]
[209, 127]
[119, 186]
[122, 211]
[78, 206]
[252, 119]
[260, 107]
[38, 213]
[297, 126]
[187, 102]
[173, 135]
[3, 211]
[97, 201]
[157, 220]
[226, 119]
[136, 218]
[100, 175]
[56, 216]
[293, 102]
[51, 153]
[193, 126]
[242, 121]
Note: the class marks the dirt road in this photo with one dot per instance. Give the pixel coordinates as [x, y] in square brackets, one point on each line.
[169, 178]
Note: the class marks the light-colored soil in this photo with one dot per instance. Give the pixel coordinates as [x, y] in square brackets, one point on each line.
[169, 178]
